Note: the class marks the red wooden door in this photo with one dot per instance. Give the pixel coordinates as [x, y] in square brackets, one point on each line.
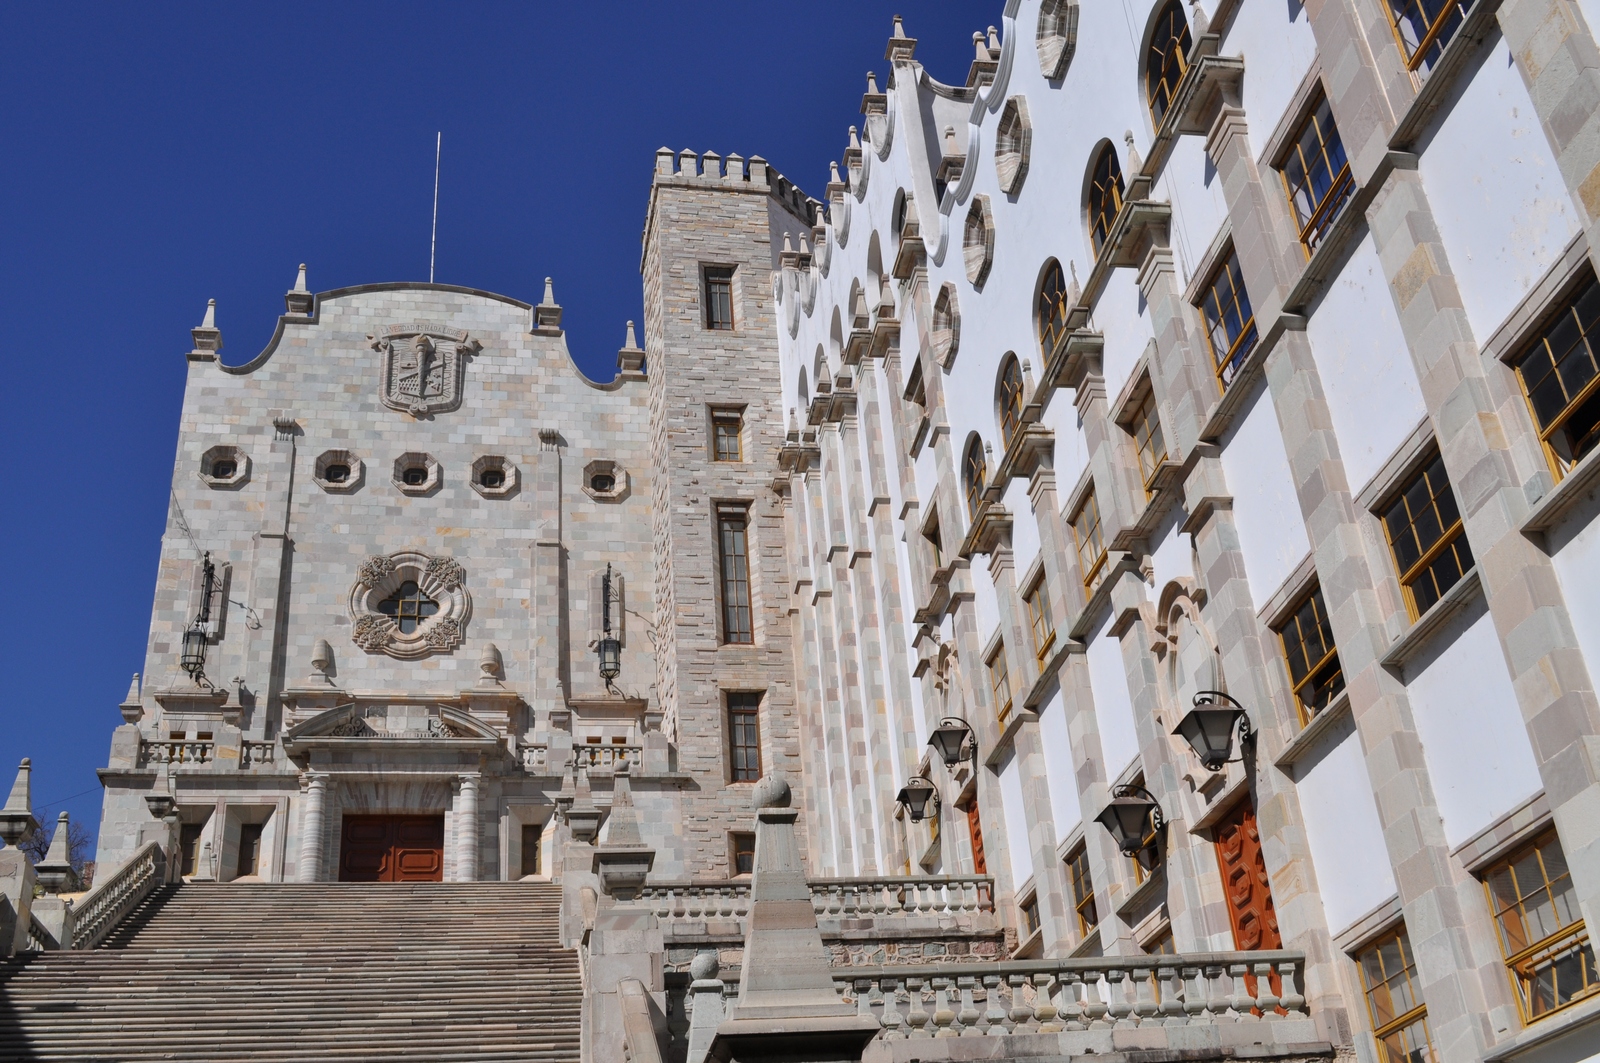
[1248, 891]
[980, 865]
[392, 849]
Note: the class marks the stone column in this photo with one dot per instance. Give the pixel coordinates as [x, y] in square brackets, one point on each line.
[467, 826]
[315, 784]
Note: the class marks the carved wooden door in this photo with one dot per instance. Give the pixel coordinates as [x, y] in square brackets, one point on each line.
[980, 865]
[1247, 889]
[392, 849]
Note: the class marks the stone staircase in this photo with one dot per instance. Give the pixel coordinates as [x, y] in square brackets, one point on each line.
[335, 971]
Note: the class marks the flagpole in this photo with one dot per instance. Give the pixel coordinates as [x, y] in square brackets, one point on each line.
[433, 244]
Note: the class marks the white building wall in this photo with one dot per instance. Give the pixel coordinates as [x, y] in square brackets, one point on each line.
[1342, 828]
[1266, 510]
[1576, 548]
[1113, 706]
[1058, 759]
[1016, 820]
[1279, 47]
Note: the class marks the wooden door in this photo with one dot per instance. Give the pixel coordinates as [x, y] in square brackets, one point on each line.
[1244, 881]
[980, 865]
[392, 849]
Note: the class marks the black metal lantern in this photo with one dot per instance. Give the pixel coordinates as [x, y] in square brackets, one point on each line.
[915, 795]
[610, 647]
[950, 739]
[1133, 817]
[1210, 725]
[193, 656]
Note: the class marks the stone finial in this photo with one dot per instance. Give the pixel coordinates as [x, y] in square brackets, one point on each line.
[664, 157]
[704, 966]
[788, 244]
[758, 171]
[950, 147]
[771, 792]
[805, 246]
[547, 315]
[833, 173]
[491, 666]
[16, 819]
[980, 47]
[855, 139]
[872, 84]
[207, 337]
[630, 360]
[1135, 163]
[733, 167]
[298, 300]
[132, 706]
[710, 165]
[1198, 22]
[899, 28]
[55, 870]
[322, 662]
[1074, 290]
[901, 47]
[994, 43]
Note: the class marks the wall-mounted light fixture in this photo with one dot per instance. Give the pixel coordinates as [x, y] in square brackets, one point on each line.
[193, 656]
[1210, 725]
[1134, 819]
[954, 741]
[609, 647]
[915, 797]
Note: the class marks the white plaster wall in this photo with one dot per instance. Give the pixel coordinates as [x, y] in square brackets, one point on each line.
[1354, 874]
[1365, 365]
[1121, 314]
[1113, 706]
[1199, 207]
[1576, 547]
[1016, 820]
[1276, 40]
[1266, 511]
[1172, 557]
[1024, 529]
[1064, 808]
[1473, 738]
[1071, 452]
[985, 601]
[1500, 203]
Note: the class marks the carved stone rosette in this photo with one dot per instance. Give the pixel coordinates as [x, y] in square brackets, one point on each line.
[442, 579]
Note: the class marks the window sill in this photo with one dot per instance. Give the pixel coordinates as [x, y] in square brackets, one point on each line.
[1142, 895]
[1048, 672]
[1442, 79]
[1312, 733]
[1030, 946]
[1577, 1020]
[1560, 499]
[1416, 638]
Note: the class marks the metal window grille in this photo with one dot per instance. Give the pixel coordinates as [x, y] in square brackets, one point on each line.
[1394, 1003]
[1316, 175]
[727, 428]
[1560, 377]
[1542, 932]
[1091, 544]
[744, 736]
[719, 298]
[1167, 59]
[1230, 323]
[1313, 659]
[408, 607]
[1105, 195]
[732, 534]
[1426, 537]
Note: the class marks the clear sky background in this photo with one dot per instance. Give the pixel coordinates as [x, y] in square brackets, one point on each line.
[154, 156]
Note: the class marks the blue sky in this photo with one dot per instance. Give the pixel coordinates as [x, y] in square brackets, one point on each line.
[156, 156]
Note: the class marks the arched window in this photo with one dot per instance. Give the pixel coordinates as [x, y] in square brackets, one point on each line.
[1009, 395]
[1052, 308]
[1105, 195]
[974, 476]
[1167, 59]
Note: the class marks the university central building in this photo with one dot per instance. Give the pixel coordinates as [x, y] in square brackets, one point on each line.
[1116, 572]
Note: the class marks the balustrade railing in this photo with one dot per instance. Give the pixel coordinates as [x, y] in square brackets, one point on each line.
[1048, 996]
[252, 753]
[604, 757]
[832, 898]
[102, 908]
[39, 938]
[175, 751]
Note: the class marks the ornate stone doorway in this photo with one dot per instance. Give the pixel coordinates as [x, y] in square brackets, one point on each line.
[392, 849]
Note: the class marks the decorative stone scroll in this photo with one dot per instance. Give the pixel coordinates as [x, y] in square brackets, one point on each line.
[423, 367]
[441, 579]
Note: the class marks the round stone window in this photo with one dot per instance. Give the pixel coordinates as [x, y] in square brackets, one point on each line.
[415, 476]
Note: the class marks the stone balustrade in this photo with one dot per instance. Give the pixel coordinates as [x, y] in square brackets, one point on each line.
[102, 908]
[253, 753]
[156, 751]
[1069, 995]
[958, 898]
[598, 757]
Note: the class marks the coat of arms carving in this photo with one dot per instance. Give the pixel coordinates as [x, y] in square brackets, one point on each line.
[423, 367]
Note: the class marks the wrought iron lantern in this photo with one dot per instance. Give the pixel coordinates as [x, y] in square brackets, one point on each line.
[1134, 819]
[193, 656]
[1209, 728]
[954, 741]
[915, 797]
[609, 647]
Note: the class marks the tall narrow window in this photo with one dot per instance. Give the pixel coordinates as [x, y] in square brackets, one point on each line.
[1399, 1017]
[1542, 933]
[727, 428]
[249, 848]
[1039, 619]
[974, 473]
[1312, 658]
[1167, 59]
[1029, 910]
[1147, 438]
[532, 842]
[1000, 683]
[1230, 323]
[1105, 195]
[743, 845]
[1091, 544]
[1082, 891]
[1424, 27]
[1561, 378]
[732, 536]
[1426, 536]
[719, 297]
[1052, 309]
[744, 737]
[1316, 175]
[1008, 395]
[935, 541]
